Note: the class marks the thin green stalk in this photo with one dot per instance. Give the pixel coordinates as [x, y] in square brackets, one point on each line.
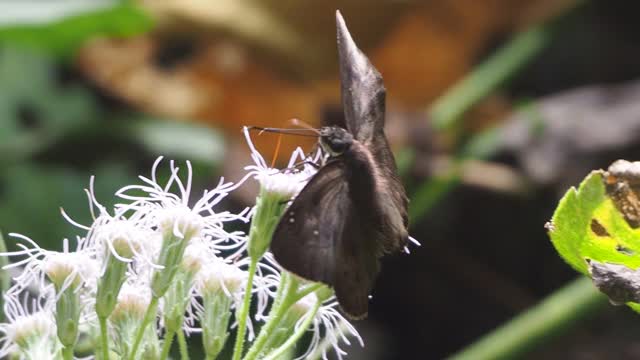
[148, 317]
[307, 290]
[432, 190]
[496, 70]
[104, 337]
[166, 346]
[67, 353]
[300, 331]
[182, 343]
[243, 313]
[282, 303]
[554, 315]
[446, 111]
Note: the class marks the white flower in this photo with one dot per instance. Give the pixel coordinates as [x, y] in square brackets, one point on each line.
[164, 209]
[134, 298]
[328, 327]
[64, 269]
[30, 326]
[287, 182]
[218, 275]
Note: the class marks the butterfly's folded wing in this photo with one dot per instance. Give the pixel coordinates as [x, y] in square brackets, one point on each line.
[357, 265]
[363, 92]
[305, 238]
[322, 237]
[363, 100]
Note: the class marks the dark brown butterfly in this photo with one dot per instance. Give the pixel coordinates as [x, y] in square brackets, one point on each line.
[354, 209]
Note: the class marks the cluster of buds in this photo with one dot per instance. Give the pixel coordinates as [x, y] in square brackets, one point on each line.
[161, 265]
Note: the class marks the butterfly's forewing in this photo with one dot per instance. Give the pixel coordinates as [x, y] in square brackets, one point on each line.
[363, 100]
[322, 237]
[363, 92]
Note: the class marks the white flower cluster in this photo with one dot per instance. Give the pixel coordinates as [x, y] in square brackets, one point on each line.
[159, 265]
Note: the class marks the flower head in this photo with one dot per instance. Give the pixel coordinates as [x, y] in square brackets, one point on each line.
[30, 326]
[329, 328]
[63, 269]
[286, 182]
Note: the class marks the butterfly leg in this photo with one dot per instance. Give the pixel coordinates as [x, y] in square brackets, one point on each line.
[300, 164]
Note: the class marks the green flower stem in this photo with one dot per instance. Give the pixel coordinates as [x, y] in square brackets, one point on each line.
[104, 337]
[182, 343]
[308, 290]
[287, 296]
[67, 353]
[430, 192]
[149, 316]
[302, 329]
[243, 313]
[554, 315]
[166, 346]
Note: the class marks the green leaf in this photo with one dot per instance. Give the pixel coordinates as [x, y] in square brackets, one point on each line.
[63, 37]
[587, 226]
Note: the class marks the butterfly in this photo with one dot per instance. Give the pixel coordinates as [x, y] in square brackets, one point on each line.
[354, 209]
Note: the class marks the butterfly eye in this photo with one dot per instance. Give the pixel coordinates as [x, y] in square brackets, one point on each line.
[337, 146]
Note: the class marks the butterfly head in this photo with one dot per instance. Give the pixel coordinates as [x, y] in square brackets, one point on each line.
[335, 140]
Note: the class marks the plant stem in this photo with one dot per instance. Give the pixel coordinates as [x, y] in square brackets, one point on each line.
[104, 337]
[67, 353]
[182, 343]
[556, 313]
[285, 298]
[307, 290]
[296, 335]
[148, 317]
[243, 314]
[166, 346]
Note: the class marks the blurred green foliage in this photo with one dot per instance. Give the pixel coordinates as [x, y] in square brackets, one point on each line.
[64, 36]
[56, 130]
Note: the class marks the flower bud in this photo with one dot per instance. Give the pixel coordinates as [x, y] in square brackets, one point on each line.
[217, 284]
[269, 208]
[178, 226]
[128, 316]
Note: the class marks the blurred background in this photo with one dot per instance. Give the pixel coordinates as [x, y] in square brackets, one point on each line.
[495, 108]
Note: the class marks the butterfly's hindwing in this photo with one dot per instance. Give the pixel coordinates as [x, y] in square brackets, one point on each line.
[325, 236]
[305, 238]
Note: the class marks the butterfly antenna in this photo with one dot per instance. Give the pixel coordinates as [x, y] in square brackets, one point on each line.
[302, 124]
[298, 132]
